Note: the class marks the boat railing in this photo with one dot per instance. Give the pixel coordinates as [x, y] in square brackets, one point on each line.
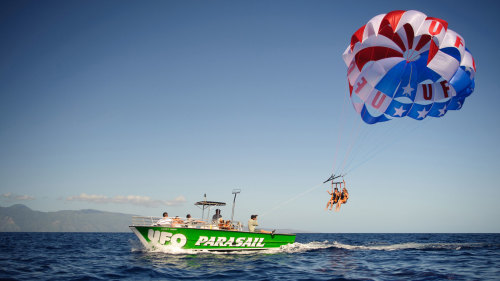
[188, 223]
[144, 221]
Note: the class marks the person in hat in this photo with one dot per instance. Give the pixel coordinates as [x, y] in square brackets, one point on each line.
[252, 223]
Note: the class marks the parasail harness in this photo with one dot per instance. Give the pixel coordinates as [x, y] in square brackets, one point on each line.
[333, 177]
[338, 184]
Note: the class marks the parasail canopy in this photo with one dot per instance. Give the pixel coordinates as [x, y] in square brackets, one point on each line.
[405, 63]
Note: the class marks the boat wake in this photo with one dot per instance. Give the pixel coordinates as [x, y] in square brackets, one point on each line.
[298, 247]
[410, 246]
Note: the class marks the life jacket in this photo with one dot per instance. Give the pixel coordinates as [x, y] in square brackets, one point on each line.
[344, 196]
[335, 197]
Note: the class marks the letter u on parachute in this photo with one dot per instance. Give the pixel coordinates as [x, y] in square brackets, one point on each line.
[405, 63]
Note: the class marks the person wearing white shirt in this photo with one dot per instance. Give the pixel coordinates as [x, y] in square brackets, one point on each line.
[165, 220]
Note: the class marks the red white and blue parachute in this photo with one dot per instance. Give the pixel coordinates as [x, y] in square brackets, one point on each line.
[407, 64]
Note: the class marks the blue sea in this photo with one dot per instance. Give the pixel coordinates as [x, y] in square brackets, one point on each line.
[120, 256]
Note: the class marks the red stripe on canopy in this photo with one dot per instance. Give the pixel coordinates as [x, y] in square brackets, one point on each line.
[375, 54]
[357, 36]
[392, 19]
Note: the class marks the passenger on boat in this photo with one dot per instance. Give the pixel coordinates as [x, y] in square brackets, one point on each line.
[165, 220]
[188, 217]
[252, 223]
[335, 195]
[177, 221]
[224, 224]
[343, 199]
[189, 222]
[216, 216]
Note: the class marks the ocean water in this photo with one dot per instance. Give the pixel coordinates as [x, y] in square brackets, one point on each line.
[120, 256]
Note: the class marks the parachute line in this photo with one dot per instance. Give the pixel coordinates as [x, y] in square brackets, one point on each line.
[339, 136]
[295, 197]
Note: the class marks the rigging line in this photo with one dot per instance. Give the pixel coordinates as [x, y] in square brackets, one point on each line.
[352, 143]
[369, 133]
[291, 199]
[382, 144]
[348, 125]
[353, 139]
[376, 138]
[383, 148]
[357, 148]
[347, 137]
[366, 136]
[379, 142]
[339, 136]
[372, 134]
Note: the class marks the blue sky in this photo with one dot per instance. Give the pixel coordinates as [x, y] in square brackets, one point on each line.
[144, 106]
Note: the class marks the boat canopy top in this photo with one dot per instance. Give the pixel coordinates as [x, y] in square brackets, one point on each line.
[209, 203]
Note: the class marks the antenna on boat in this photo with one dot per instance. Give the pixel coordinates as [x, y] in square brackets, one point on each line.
[203, 211]
[235, 192]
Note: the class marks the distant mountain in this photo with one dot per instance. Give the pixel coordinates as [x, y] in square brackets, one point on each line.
[21, 218]
[287, 230]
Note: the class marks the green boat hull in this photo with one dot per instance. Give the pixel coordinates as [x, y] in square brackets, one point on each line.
[209, 239]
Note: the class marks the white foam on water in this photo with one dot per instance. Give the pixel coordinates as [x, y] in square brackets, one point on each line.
[304, 247]
[168, 249]
[408, 246]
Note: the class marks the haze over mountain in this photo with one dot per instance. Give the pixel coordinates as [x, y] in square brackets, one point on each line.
[21, 218]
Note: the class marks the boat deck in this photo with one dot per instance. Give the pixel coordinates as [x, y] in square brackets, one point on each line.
[188, 223]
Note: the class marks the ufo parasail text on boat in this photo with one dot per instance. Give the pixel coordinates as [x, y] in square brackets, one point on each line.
[407, 64]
